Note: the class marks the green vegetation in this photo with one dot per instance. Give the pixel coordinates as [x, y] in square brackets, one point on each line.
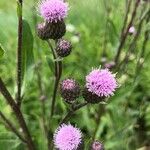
[94, 27]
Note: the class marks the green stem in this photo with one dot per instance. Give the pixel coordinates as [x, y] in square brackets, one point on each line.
[18, 114]
[10, 125]
[72, 111]
[19, 55]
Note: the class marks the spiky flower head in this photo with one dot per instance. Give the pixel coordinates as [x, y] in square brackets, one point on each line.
[96, 145]
[53, 10]
[67, 137]
[101, 82]
[69, 90]
[63, 48]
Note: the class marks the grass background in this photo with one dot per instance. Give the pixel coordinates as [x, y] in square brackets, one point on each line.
[96, 27]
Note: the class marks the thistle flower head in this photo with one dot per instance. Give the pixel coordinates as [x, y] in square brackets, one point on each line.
[53, 10]
[101, 82]
[69, 90]
[63, 48]
[96, 145]
[67, 137]
[68, 84]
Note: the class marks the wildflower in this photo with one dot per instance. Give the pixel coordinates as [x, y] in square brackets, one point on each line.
[67, 137]
[63, 48]
[69, 90]
[132, 30]
[99, 85]
[96, 145]
[53, 10]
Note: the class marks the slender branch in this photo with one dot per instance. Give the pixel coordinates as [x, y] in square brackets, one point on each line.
[12, 127]
[134, 41]
[18, 114]
[58, 72]
[19, 56]
[126, 17]
[72, 111]
[124, 36]
[101, 111]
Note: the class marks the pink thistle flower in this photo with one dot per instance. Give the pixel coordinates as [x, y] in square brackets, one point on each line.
[53, 10]
[101, 82]
[67, 137]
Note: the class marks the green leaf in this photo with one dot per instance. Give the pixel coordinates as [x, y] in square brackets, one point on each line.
[1, 51]
[27, 52]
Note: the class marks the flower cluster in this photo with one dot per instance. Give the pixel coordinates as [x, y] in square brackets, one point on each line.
[100, 83]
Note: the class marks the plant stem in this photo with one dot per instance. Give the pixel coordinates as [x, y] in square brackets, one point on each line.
[126, 17]
[101, 111]
[124, 36]
[19, 56]
[133, 43]
[12, 127]
[58, 72]
[72, 111]
[18, 114]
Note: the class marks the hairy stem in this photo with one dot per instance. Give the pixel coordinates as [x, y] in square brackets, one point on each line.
[18, 114]
[19, 56]
[10, 125]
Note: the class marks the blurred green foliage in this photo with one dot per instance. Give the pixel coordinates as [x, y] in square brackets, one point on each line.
[94, 28]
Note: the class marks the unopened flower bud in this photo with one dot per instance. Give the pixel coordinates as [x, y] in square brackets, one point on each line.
[63, 48]
[69, 90]
[96, 145]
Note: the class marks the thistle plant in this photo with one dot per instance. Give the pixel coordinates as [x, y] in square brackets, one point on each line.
[100, 84]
